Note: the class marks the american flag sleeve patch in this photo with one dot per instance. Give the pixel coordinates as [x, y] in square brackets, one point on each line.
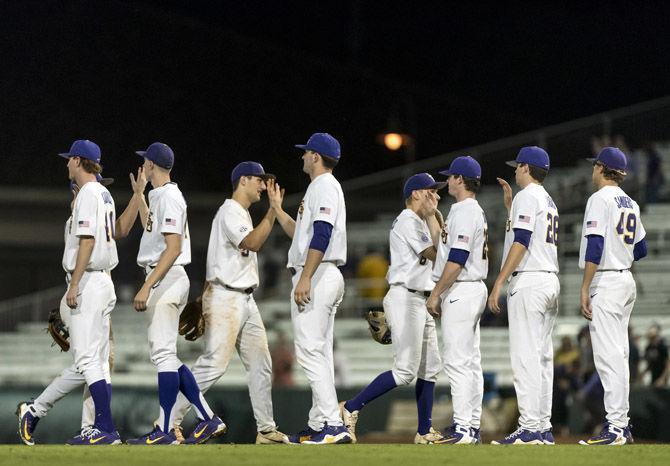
[324, 210]
[524, 218]
[84, 223]
[462, 239]
[171, 222]
[591, 224]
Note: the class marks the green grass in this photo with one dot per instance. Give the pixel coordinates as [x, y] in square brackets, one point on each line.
[337, 455]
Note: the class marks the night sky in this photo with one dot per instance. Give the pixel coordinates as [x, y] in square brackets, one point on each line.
[223, 82]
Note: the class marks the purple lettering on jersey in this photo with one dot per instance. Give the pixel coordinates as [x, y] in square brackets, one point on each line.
[623, 202]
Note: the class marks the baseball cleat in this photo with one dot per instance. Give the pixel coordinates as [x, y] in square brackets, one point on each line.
[95, 436]
[329, 435]
[350, 419]
[610, 435]
[433, 436]
[548, 437]
[272, 437]
[27, 422]
[521, 437]
[628, 433]
[457, 434]
[302, 436]
[206, 430]
[476, 435]
[155, 437]
[179, 434]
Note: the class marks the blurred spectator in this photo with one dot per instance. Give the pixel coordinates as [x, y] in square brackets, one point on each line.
[633, 356]
[282, 362]
[655, 177]
[371, 271]
[656, 356]
[586, 364]
[567, 355]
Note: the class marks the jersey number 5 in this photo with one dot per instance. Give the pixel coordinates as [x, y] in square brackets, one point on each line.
[626, 227]
[552, 229]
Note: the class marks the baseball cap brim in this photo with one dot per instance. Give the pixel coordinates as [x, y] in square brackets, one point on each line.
[437, 185]
[106, 181]
[512, 163]
[141, 153]
[302, 146]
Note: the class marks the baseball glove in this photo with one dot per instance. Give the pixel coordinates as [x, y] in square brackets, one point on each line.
[58, 330]
[379, 329]
[191, 321]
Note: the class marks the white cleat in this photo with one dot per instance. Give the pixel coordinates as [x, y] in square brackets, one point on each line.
[274, 437]
[433, 436]
[349, 419]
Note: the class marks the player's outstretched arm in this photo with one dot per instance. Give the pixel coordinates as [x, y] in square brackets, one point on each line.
[435, 223]
[125, 222]
[255, 240]
[507, 193]
[169, 255]
[276, 197]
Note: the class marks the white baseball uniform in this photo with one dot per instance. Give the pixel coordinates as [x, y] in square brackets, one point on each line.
[610, 213]
[167, 214]
[532, 305]
[414, 338]
[93, 215]
[313, 323]
[231, 315]
[462, 306]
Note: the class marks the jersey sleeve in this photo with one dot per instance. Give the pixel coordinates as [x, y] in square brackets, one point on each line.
[172, 215]
[85, 214]
[234, 225]
[324, 204]
[524, 210]
[462, 230]
[595, 216]
[416, 235]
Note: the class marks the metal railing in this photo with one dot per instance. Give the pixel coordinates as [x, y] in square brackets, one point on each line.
[33, 307]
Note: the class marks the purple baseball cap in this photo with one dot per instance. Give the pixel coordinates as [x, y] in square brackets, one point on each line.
[85, 149]
[613, 158]
[158, 153]
[324, 144]
[249, 169]
[531, 155]
[465, 166]
[421, 181]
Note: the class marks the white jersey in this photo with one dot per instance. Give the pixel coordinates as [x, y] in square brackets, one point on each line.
[408, 238]
[227, 264]
[323, 201]
[610, 213]
[93, 215]
[465, 229]
[534, 210]
[167, 214]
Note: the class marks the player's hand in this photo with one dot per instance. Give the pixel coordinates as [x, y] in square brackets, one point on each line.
[507, 193]
[433, 306]
[140, 183]
[301, 292]
[71, 295]
[585, 304]
[275, 195]
[141, 298]
[494, 299]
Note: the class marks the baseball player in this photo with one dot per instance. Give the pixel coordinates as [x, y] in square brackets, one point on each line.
[70, 379]
[318, 248]
[90, 253]
[230, 311]
[612, 238]
[412, 240]
[165, 248]
[530, 259]
[460, 297]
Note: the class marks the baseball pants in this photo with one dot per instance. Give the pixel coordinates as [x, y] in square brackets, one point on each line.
[313, 336]
[462, 307]
[532, 306]
[414, 337]
[612, 298]
[89, 326]
[232, 322]
[165, 303]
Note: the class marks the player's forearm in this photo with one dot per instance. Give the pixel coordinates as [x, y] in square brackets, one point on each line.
[514, 258]
[448, 277]
[125, 222]
[84, 252]
[143, 211]
[167, 259]
[435, 229]
[287, 223]
[314, 258]
[255, 240]
[589, 272]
